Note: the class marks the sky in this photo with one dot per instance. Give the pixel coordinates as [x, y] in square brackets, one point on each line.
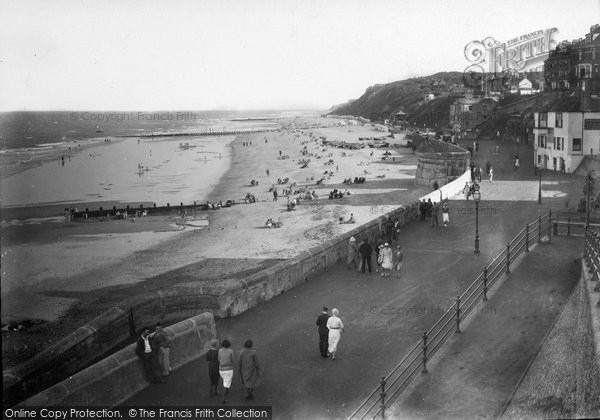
[239, 54]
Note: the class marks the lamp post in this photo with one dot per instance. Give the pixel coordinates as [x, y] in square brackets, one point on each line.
[540, 189]
[476, 199]
[588, 184]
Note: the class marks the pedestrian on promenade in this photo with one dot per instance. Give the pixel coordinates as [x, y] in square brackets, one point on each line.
[226, 364]
[249, 369]
[212, 357]
[445, 213]
[467, 190]
[398, 258]
[163, 344]
[517, 162]
[323, 331]
[429, 208]
[365, 252]
[352, 254]
[147, 354]
[386, 260]
[434, 214]
[377, 252]
[491, 174]
[423, 209]
[335, 326]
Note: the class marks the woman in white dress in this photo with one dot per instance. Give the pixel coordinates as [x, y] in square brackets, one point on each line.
[387, 260]
[335, 326]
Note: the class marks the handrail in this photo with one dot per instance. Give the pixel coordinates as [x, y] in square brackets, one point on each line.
[463, 306]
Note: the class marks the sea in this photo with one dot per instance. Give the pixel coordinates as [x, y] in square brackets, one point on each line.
[63, 157]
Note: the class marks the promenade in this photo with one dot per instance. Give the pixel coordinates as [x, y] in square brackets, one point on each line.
[383, 317]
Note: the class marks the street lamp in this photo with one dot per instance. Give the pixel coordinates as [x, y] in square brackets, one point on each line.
[588, 185]
[540, 190]
[476, 199]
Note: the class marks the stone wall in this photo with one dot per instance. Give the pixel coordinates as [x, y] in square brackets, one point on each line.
[116, 378]
[230, 298]
[440, 162]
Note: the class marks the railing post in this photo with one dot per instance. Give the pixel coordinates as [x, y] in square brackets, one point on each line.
[527, 237]
[458, 314]
[549, 225]
[539, 229]
[382, 395]
[424, 370]
[485, 280]
[508, 258]
[569, 225]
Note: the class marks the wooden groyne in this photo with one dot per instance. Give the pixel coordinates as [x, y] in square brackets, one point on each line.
[202, 133]
[129, 211]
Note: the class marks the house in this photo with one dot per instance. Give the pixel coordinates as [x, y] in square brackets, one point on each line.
[571, 63]
[381, 127]
[566, 130]
[468, 112]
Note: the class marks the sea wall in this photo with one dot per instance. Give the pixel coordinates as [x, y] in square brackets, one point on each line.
[118, 377]
[110, 330]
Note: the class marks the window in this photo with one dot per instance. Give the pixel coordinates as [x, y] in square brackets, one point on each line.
[558, 122]
[577, 145]
[542, 120]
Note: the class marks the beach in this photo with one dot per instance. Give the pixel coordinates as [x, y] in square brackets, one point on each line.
[57, 274]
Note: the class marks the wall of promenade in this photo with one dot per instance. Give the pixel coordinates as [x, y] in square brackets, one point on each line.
[102, 335]
[121, 375]
[440, 162]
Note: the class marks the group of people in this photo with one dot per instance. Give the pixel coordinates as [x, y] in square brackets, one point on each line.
[388, 259]
[338, 194]
[154, 349]
[429, 210]
[330, 330]
[222, 363]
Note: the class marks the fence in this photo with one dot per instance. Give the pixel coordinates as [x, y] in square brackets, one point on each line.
[395, 382]
[567, 223]
[591, 256]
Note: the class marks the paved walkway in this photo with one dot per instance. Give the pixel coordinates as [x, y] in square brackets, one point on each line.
[477, 371]
[383, 317]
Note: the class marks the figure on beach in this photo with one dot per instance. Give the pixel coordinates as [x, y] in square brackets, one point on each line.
[212, 357]
[249, 369]
[226, 364]
[336, 327]
[323, 331]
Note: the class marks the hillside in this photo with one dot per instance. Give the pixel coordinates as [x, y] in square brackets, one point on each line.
[404, 95]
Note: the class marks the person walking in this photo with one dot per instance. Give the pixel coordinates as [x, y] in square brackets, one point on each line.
[226, 364]
[429, 208]
[323, 331]
[352, 254]
[422, 209]
[249, 369]
[445, 213]
[365, 252]
[147, 354]
[398, 259]
[336, 327]
[163, 344]
[435, 209]
[491, 174]
[386, 260]
[212, 357]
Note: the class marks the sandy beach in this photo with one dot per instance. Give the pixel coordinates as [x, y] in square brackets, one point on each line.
[57, 274]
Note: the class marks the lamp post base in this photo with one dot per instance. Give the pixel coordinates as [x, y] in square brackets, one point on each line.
[476, 250]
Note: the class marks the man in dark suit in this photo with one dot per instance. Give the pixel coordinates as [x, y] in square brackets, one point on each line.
[323, 332]
[365, 252]
[146, 351]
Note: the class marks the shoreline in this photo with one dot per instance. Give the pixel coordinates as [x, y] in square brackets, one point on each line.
[110, 262]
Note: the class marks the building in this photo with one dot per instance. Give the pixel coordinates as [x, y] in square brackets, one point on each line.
[468, 112]
[567, 130]
[570, 63]
[381, 127]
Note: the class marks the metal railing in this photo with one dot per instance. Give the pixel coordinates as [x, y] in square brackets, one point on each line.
[571, 223]
[591, 255]
[395, 382]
